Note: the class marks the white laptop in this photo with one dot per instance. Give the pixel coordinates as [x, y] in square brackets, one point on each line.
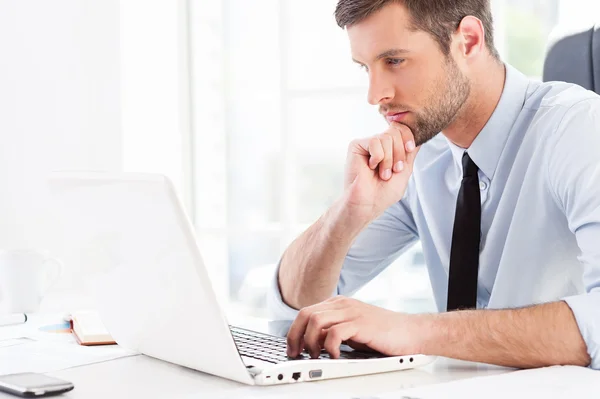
[154, 294]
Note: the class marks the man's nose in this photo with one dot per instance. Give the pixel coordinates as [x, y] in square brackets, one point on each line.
[380, 92]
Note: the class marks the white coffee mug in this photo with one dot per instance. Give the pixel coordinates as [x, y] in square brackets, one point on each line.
[25, 277]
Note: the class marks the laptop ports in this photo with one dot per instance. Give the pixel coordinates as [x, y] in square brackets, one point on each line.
[296, 376]
[315, 373]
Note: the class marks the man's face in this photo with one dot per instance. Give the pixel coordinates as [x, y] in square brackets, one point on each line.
[410, 78]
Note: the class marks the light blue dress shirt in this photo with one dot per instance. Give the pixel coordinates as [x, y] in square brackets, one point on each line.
[539, 173]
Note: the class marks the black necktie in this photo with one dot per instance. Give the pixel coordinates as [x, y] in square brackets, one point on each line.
[466, 237]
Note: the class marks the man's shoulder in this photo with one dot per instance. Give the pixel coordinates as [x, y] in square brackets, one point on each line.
[568, 125]
[557, 96]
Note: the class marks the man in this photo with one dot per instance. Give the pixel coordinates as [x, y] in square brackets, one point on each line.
[505, 201]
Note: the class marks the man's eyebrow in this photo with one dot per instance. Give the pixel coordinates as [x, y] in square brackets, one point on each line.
[391, 53]
[387, 53]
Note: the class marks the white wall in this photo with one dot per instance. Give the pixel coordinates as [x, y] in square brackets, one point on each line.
[59, 106]
[172, 93]
[578, 13]
[155, 90]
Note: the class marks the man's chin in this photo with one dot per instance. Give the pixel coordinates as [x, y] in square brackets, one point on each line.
[421, 139]
[408, 125]
[415, 131]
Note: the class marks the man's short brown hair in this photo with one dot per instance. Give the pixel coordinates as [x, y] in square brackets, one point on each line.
[440, 18]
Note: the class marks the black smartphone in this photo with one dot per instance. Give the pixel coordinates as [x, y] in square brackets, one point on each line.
[33, 385]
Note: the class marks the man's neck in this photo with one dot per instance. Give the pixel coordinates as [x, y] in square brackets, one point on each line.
[486, 91]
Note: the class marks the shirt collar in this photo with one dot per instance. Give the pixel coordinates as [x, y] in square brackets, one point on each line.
[487, 147]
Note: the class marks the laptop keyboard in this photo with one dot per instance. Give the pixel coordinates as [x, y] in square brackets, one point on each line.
[260, 346]
[272, 349]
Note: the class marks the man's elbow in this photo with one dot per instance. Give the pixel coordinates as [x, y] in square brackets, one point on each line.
[581, 358]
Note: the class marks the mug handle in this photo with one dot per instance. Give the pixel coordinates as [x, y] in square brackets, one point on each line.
[55, 272]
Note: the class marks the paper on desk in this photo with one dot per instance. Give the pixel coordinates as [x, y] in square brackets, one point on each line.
[44, 344]
[33, 328]
[47, 356]
[13, 342]
[12, 332]
[548, 383]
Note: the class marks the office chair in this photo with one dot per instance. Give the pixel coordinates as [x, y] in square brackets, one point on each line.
[574, 57]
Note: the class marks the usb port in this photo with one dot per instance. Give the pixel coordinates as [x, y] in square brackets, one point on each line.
[315, 373]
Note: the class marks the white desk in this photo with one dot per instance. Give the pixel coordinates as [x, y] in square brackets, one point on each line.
[144, 377]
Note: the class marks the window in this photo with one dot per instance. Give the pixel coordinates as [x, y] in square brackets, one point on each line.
[276, 100]
[523, 27]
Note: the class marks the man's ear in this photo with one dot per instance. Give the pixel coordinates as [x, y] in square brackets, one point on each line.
[470, 37]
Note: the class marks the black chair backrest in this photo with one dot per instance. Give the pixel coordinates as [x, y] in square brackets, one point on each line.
[575, 58]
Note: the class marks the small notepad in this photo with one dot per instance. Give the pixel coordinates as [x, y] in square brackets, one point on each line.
[89, 330]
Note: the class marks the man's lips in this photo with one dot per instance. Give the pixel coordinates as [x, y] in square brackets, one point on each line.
[395, 117]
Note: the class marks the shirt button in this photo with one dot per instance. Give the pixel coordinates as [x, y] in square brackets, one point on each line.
[482, 185]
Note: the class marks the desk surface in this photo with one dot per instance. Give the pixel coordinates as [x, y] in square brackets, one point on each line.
[145, 377]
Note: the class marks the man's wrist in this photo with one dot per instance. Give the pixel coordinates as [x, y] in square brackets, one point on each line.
[344, 221]
[421, 332]
[430, 332]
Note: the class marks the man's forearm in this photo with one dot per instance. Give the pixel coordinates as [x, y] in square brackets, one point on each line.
[537, 336]
[310, 267]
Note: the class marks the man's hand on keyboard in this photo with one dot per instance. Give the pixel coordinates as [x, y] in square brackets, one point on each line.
[344, 320]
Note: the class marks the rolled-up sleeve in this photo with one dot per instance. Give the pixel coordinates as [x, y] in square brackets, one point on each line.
[375, 248]
[574, 174]
[586, 308]
[278, 309]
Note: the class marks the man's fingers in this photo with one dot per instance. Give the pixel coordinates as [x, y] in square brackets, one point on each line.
[322, 337]
[319, 321]
[385, 167]
[376, 151]
[408, 139]
[338, 334]
[399, 154]
[296, 332]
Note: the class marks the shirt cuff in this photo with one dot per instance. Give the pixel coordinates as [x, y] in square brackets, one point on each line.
[278, 309]
[585, 308]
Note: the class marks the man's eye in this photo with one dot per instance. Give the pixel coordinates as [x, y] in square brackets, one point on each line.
[364, 67]
[394, 61]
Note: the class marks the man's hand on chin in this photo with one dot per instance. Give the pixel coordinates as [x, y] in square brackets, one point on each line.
[344, 320]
